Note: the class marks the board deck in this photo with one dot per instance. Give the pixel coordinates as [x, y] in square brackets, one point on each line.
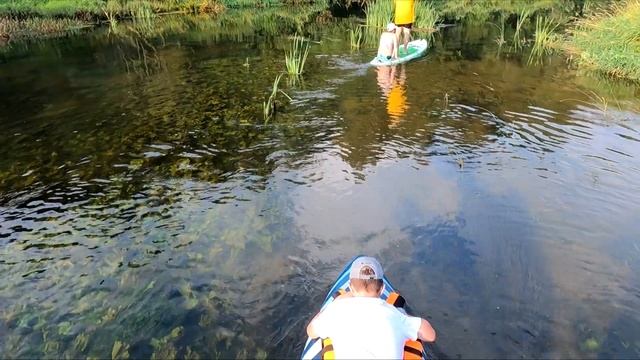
[415, 49]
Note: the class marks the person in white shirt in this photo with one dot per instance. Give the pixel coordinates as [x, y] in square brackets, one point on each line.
[363, 326]
[388, 48]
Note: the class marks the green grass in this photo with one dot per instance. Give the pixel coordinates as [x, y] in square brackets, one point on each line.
[49, 8]
[95, 8]
[608, 41]
[296, 56]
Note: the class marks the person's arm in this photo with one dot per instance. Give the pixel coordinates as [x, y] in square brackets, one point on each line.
[311, 331]
[426, 331]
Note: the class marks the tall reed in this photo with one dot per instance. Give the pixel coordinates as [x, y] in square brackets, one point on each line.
[426, 15]
[269, 106]
[141, 10]
[296, 56]
[500, 39]
[545, 38]
[110, 11]
[523, 16]
[379, 13]
[355, 37]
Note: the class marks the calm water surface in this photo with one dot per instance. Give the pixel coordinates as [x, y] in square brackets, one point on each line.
[147, 209]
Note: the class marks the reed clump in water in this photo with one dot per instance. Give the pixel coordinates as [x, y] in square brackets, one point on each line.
[501, 26]
[355, 37]
[296, 56]
[523, 16]
[546, 40]
[608, 41]
[269, 106]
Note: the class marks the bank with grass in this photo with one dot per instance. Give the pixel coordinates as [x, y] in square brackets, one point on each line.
[38, 18]
[608, 40]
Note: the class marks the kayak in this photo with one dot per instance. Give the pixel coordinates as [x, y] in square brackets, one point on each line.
[314, 348]
[415, 49]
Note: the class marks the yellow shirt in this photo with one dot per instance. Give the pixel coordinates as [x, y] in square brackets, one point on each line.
[405, 12]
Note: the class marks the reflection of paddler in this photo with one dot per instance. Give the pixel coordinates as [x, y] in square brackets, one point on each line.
[394, 90]
[396, 103]
[386, 75]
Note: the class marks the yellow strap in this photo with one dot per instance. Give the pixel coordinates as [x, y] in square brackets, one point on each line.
[327, 350]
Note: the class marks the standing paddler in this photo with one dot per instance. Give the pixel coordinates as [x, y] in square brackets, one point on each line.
[405, 16]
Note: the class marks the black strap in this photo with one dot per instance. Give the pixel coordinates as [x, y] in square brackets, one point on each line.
[400, 302]
[412, 350]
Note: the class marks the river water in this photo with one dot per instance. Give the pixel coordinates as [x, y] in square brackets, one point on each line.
[147, 209]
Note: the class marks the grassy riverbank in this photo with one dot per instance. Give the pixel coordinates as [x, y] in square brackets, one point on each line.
[96, 8]
[37, 18]
[608, 40]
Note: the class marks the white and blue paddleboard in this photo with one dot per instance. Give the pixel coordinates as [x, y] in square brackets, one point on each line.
[415, 49]
[313, 347]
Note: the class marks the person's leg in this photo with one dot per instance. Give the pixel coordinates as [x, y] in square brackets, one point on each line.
[398, 32]
[406, 36]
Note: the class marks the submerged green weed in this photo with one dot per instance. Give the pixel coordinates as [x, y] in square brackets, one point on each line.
[119, 350]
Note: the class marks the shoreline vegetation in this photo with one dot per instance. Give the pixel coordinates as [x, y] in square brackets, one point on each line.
[25, 19]
[592, 34]
[608, 40]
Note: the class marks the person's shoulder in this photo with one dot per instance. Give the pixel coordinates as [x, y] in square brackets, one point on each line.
[399, 312]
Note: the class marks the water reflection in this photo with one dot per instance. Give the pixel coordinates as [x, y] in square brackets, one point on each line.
[393, 89]
[154, 212]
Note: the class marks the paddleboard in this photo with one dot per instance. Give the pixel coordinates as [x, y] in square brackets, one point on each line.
[313, 347]
[415, 49]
